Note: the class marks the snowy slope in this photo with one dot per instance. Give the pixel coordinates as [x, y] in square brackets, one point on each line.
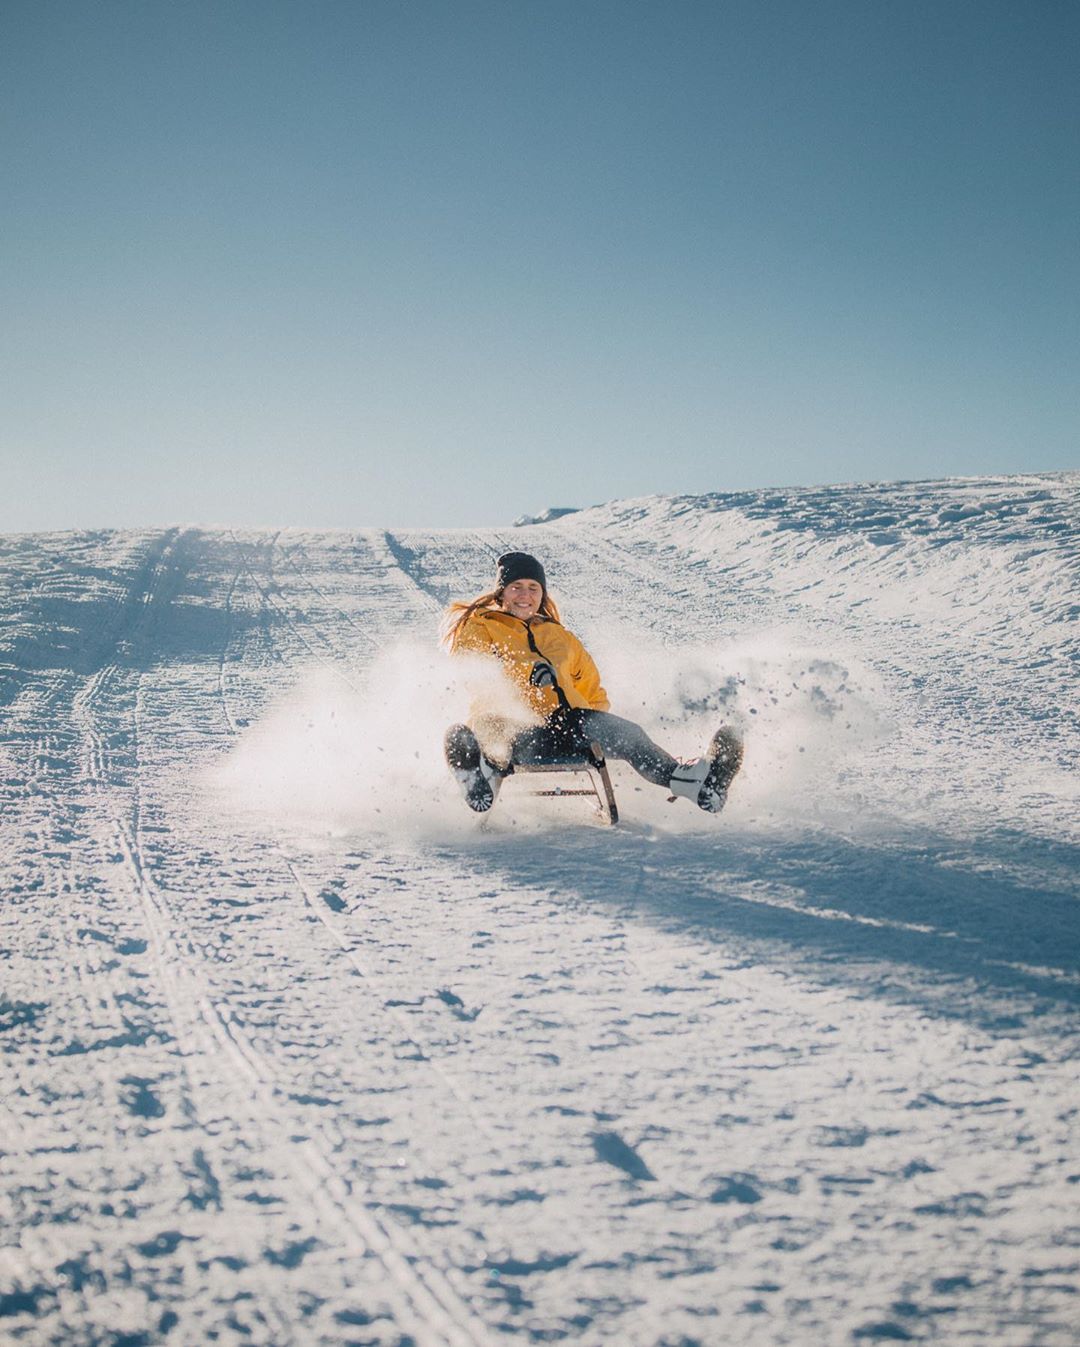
[296, 1052]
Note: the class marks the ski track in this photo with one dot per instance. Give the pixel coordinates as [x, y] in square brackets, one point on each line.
[801, 1080]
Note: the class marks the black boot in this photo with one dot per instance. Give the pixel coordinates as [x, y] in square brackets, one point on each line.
[479, 779]
[706, 779]
[724, 755]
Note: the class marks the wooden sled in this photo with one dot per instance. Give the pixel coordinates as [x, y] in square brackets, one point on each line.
[594, 766]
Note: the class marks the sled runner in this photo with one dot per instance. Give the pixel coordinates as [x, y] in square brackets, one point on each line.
[594, 766]
[480, 777]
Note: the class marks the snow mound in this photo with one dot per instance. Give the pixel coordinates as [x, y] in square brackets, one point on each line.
[553, 512]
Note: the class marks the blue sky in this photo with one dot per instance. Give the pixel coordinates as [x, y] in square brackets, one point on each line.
[437, 264]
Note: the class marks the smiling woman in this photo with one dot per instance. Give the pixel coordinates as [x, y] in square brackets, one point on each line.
[562, 707]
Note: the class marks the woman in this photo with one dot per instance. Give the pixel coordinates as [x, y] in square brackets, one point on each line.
[563, 707]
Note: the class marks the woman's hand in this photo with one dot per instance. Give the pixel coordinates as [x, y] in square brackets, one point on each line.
[543, 676]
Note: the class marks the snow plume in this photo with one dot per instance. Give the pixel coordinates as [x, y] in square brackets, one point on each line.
[334, 758]
[804, 714]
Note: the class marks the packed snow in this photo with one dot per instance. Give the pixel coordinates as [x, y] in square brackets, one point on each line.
[296, 1050]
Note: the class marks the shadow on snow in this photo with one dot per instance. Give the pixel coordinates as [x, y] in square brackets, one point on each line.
[988, 936]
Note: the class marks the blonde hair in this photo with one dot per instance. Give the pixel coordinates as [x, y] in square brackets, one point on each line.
[457, 614]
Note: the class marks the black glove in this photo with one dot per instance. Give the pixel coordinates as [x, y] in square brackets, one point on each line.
[543, 676]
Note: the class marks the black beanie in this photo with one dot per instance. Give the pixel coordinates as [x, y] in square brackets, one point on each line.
[519, 566]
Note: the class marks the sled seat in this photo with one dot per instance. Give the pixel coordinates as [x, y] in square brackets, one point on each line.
[593, 765]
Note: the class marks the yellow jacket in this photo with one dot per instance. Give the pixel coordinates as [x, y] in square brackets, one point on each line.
[493, 632]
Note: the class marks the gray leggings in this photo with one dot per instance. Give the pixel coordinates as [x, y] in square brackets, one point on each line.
[567, 736]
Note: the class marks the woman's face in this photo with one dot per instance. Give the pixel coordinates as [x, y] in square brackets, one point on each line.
[522, 598]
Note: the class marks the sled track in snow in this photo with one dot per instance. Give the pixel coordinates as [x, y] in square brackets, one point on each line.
[426, 1306]
[290, 554]
[329, 657]
[204, 1029]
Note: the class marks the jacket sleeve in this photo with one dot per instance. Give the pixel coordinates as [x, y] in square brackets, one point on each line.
[586, 678]
[473, 637]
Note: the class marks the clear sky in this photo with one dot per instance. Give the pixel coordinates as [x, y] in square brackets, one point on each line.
[442, 262]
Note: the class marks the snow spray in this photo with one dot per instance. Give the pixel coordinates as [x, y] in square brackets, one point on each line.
[338, 760]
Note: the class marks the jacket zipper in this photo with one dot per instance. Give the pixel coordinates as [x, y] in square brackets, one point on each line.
[564, 705]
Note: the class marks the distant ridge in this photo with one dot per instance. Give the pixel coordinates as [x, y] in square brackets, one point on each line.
[552, 512]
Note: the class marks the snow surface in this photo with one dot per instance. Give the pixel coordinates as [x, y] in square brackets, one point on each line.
[296, 1050]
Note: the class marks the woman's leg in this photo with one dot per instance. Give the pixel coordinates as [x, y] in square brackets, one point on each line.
[544, 744]
[623, 739]
[704, 780]
[567, 739]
